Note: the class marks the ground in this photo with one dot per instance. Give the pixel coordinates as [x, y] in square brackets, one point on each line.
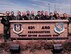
[36, 52]
[35, 47]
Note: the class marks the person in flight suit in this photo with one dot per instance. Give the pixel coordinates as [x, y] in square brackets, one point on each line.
[32, 15]
[12, 15]
[58, 16]
[55, 13]
[24, 16]
[65, 17]
[5, 21]
[38, 16]
[28, 15]
[46, 17]
[51, 16]
[42, 13]
[18, 17]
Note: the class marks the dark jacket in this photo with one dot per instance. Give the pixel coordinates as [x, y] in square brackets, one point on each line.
[46, 17]
[5, 20]
[38, 17]
[28, 16]
[18, 17]
[51, 18]
[32, 17]
[13, 17]
[55, 16]
[24, 18]
[64, 18]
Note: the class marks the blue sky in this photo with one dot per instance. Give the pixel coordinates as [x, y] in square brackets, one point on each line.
[62, 6]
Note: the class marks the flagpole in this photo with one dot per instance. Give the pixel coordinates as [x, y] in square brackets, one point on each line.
[49, 7]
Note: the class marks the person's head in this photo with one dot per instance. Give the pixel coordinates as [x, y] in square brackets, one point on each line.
[12, 12]
[18, 13]
[42, 12]
[50, 14]
[64, 15]
[57, 15]
[46, 13]
[28, 12]
[23, 13]
[32, 12]
[38, 13]
[7, 13]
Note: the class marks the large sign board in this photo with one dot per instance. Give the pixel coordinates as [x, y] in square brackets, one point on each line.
[39, 29]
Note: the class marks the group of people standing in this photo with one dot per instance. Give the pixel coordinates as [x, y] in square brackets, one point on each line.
[41, 15]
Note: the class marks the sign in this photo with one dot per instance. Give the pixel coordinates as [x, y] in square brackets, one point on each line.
[22, 29]
[59, 28]
[17, 28]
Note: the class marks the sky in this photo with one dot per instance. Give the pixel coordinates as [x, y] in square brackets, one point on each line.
[62, 6]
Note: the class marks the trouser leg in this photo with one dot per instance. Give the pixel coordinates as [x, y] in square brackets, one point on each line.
[6, 33]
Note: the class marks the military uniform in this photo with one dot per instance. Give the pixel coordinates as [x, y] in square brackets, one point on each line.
[18, 17]
[32, 17]
[28, 16]
[42, 17]
[46, 17]
[55, 16]
[70, 19]
[24, 18]
[64, 18]
[13, 17]
[6, 23]
[51, 18]
[38, 17]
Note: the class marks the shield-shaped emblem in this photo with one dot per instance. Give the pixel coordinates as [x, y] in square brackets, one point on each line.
[59, 28]
[17, 28]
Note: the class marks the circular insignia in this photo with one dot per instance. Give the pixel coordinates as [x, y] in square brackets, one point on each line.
[59, 28]
[17, 28]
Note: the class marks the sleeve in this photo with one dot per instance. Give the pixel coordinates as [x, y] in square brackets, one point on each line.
[2, 20]
[10, 18]
[36, 18]
[20, 17]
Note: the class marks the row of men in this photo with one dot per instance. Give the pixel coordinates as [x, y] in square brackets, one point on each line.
[31, 16]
